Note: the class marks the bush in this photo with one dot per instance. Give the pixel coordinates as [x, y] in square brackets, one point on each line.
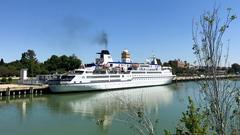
[4, 80]
[193, 122]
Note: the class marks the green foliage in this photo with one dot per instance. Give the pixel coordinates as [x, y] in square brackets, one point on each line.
[3, 71]
[29, 60]
[235, 68]
[192, 122]
[30, 55]
[218, 96]
[4, 80]
[62, 64]
[10, 69]
[166, 64]
[2, 62]
[9, 80]
[42, 70]
[167, 132]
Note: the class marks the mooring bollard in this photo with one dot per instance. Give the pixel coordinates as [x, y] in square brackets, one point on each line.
[25, 92]
[7, 91]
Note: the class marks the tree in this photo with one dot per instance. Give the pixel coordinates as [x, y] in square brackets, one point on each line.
[74, 62]
[3, 71]
[62, 64]
[14, 68]
[52, 63]
[137, 116]
[29, 60]
[9, 80]
[166, 64]
[2, 62]
[218, 96]
[29, 55]
[236, 67]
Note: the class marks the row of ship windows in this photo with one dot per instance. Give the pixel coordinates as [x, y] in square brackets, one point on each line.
[99, 81]
[146, 72]
[116, 80]
[118, 76]
[145, 78]
[113, 76]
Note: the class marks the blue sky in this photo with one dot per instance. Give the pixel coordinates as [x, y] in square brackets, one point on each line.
[145, 27]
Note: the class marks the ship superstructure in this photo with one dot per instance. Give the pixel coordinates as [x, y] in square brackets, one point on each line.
[106, 74]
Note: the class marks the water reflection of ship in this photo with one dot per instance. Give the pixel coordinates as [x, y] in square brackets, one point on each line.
[104, 106]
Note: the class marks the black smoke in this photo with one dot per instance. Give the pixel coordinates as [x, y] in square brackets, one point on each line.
[80, 31]
[102, 39]
[75, 26]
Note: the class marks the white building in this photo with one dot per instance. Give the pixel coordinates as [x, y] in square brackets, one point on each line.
[23, 74]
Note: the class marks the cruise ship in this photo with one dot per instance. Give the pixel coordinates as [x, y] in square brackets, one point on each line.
[105, 74]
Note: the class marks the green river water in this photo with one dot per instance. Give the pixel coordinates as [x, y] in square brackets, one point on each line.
[78, 113]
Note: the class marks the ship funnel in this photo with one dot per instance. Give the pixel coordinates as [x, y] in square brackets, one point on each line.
[104, 58]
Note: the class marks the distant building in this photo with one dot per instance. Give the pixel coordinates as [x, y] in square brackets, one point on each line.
[205, 69]
[126, 56]
[179, 64]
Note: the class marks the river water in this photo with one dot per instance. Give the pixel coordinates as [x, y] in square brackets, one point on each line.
[81, 113]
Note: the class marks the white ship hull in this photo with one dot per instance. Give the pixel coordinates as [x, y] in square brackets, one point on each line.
[77, 87]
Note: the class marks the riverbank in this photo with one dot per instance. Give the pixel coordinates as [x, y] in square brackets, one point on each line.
[196, 78]
[20, 89]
